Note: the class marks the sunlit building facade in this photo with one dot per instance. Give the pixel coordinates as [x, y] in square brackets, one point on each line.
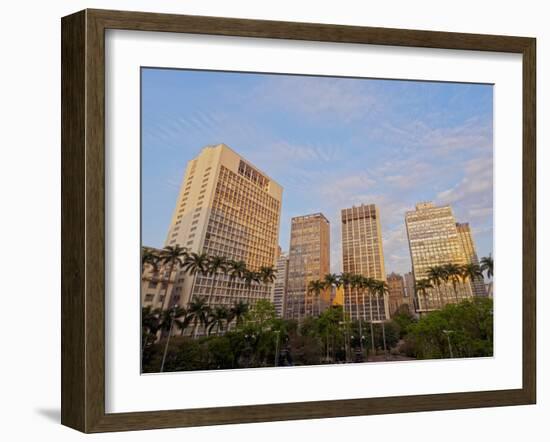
[362, 254]
[434, 241]
[467, 241]
[308, 260]
[226, 207]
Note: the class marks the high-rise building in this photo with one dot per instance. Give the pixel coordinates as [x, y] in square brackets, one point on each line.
[434, 241]
[396, 295]
[363, 255]
[280, 284]
[226, 207]
[467, 241]
[308, 260]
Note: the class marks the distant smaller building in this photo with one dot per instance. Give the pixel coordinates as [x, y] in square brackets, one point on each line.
[338, 299]
[410, 294]
[157, 283]
[281, 283]
[396, 296]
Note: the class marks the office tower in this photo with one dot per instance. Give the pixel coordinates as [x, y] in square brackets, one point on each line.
[434, 241]
[363, 255]
[280, 284]
[226, 207]
[308, 260]
[467, 241]
[396, 295]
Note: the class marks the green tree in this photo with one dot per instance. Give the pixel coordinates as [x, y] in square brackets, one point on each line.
[468, 325]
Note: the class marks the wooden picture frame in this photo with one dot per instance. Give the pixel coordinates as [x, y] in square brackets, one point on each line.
[83, 220]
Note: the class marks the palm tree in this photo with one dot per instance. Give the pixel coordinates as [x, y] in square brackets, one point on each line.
[184, 318]
[381, 289]
[421, 286]
[436, 275]
[176, 313]
[487, 265]
[331, 282]
[236, 269]
[196, 263]
[198, 311]
[217, 318]
[316, 287]
[149, 257]
[250, 278]
[174, 257]
[370, 285]
[268, 274]
[345, 281]
[452, 273]
[237, 312]
[470, 271]
[216, 265]
[150, 324]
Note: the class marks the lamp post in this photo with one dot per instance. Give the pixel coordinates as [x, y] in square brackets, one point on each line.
[448, 333]
[172, 316]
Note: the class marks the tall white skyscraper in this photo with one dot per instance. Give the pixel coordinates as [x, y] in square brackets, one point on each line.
[226, 207]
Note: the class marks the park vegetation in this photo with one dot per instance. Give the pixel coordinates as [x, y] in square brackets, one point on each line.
[198, 336]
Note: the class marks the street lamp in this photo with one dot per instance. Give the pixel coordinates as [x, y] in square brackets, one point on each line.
[448, 333]
[172, 316]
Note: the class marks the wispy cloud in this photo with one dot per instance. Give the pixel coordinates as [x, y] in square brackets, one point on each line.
[331, 143]
[316, 97]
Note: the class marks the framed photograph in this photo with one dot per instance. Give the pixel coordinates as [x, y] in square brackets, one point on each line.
[268, 220]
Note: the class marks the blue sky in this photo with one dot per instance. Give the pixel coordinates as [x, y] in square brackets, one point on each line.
[330, 142]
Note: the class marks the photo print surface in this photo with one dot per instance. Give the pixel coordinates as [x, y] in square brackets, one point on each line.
[292, 220]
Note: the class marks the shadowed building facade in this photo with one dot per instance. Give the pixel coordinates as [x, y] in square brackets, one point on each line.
[308, 260]
[157, 282]
[396, 293]
[363, 255]
[226, 207]
[434, 241]
[280, 284]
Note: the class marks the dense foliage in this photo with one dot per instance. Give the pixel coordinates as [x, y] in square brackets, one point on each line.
[204, 337]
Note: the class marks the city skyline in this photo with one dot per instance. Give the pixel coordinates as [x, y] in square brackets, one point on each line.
[324, 162]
